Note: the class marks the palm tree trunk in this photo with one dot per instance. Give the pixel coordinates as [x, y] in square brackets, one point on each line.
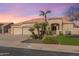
[38, 33]
[46, 19]
[33, 34]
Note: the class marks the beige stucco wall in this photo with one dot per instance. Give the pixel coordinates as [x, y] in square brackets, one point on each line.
[11, 30]
[75, 31]
[70, 27]
[27, 25]
[67, 27]
[55, 21]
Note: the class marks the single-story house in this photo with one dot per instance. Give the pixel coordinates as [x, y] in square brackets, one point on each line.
[57, 24]
[23, 27]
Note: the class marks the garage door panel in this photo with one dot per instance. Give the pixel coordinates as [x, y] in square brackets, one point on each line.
[17, 30]
[26, 31]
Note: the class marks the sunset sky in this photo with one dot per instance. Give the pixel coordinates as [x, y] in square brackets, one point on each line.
[10, 12]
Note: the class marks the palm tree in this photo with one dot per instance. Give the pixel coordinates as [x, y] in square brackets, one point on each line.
[43, 13]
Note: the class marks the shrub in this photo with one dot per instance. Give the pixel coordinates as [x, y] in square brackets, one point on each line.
[68, 33]
[60, 33]
[49, 40]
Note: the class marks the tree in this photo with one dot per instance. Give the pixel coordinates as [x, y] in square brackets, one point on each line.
[40, 27]
[73, 12]
[43, 28]
[32, 31]
[43, 13]
[49, 31]
[37, 26]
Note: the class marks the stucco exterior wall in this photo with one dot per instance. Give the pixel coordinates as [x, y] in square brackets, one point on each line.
[67, 27]
[12, 30]
[55, 21]
[27, 25]
[75, 31]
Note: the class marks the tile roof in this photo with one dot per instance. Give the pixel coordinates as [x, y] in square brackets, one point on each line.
[39, 20]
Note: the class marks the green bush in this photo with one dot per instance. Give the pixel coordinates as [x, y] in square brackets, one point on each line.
[60, 33]
[49, 40]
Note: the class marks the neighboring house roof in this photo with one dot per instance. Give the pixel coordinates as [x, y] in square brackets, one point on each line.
[1, 24]
[5, 24]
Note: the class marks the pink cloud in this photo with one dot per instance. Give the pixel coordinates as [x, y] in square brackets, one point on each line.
[13, 18]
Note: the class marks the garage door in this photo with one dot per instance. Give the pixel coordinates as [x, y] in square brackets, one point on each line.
[26, 31]
[17, 30]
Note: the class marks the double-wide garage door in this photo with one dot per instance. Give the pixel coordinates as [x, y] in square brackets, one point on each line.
[23, 31]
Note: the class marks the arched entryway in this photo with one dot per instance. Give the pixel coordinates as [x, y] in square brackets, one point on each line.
[55, 28]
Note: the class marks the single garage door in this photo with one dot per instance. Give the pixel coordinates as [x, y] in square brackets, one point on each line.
[17, 30]
[26, 31]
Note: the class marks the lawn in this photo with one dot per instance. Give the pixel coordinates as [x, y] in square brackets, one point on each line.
[63, 40]
[67, 40]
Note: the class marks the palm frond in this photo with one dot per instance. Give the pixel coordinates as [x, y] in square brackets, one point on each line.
[42, 13]
[48, 11]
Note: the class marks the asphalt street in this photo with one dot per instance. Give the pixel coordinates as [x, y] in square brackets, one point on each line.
[9, 51]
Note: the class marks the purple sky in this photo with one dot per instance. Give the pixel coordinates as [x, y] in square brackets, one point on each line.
[33, 8]
[8, 10]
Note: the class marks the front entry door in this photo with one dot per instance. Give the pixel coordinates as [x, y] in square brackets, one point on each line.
[54, 28]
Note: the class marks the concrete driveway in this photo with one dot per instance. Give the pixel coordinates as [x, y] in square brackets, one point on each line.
[15, 41]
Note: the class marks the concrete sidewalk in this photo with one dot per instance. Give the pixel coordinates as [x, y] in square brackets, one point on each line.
[38, 46]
